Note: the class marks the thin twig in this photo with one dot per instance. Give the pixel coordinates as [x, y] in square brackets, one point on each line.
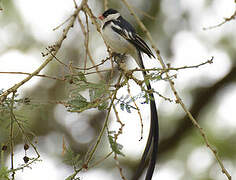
[101, 71]
[210, 61]
[163, 97]
[119, 167]
[11, 134]
[143, 13]
[86, 43]
[223, 22]
[104, 126]
[39, 75]
[138, 110]
[169, 68]
[75, 4]
[105, 4]
[28, 140]
[116, 138]
[101, 160]
[74, 67]
[120, 131]
[90, 154]
[62, 23]
[94, 21]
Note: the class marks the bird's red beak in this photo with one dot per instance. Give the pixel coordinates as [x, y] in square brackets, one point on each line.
[101, 17]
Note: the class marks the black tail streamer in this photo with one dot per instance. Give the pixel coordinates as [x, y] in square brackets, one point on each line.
[153, 138]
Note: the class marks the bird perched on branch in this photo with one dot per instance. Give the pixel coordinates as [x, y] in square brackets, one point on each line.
[122, 38]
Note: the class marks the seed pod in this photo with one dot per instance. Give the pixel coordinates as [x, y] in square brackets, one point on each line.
[26, 146]
[26, 159]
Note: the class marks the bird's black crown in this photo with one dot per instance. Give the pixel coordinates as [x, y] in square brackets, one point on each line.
[108, 12]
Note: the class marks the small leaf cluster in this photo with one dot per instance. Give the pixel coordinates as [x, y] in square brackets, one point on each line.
[72, 158]
[98, 94]
[4, 173]
[116, 147]
[125, 101]
[5, 105]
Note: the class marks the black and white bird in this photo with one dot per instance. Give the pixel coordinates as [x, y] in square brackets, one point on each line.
[122, 38]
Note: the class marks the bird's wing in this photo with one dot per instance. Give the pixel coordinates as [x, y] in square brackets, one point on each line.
[130, 35]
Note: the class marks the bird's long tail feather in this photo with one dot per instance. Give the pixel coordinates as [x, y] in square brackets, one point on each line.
[153, 138]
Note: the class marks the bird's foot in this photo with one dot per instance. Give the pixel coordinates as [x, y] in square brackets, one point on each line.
[119, 58]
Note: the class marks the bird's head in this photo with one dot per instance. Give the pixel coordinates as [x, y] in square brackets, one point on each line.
[110, 14]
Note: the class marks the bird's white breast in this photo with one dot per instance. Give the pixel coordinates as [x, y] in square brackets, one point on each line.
[116, 42]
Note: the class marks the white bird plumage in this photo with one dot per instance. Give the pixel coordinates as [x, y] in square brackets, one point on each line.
[121, 36]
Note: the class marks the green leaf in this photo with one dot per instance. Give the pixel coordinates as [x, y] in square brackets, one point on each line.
[127, 107]
[4, 173]
[79, 87]
[78, 102]
[116, 147]
[103, 106]
[91, 94]
[122, 106]
[72, 158]
[82, 76]
[96, 91]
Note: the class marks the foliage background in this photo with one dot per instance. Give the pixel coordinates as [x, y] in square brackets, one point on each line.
[177, 28]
